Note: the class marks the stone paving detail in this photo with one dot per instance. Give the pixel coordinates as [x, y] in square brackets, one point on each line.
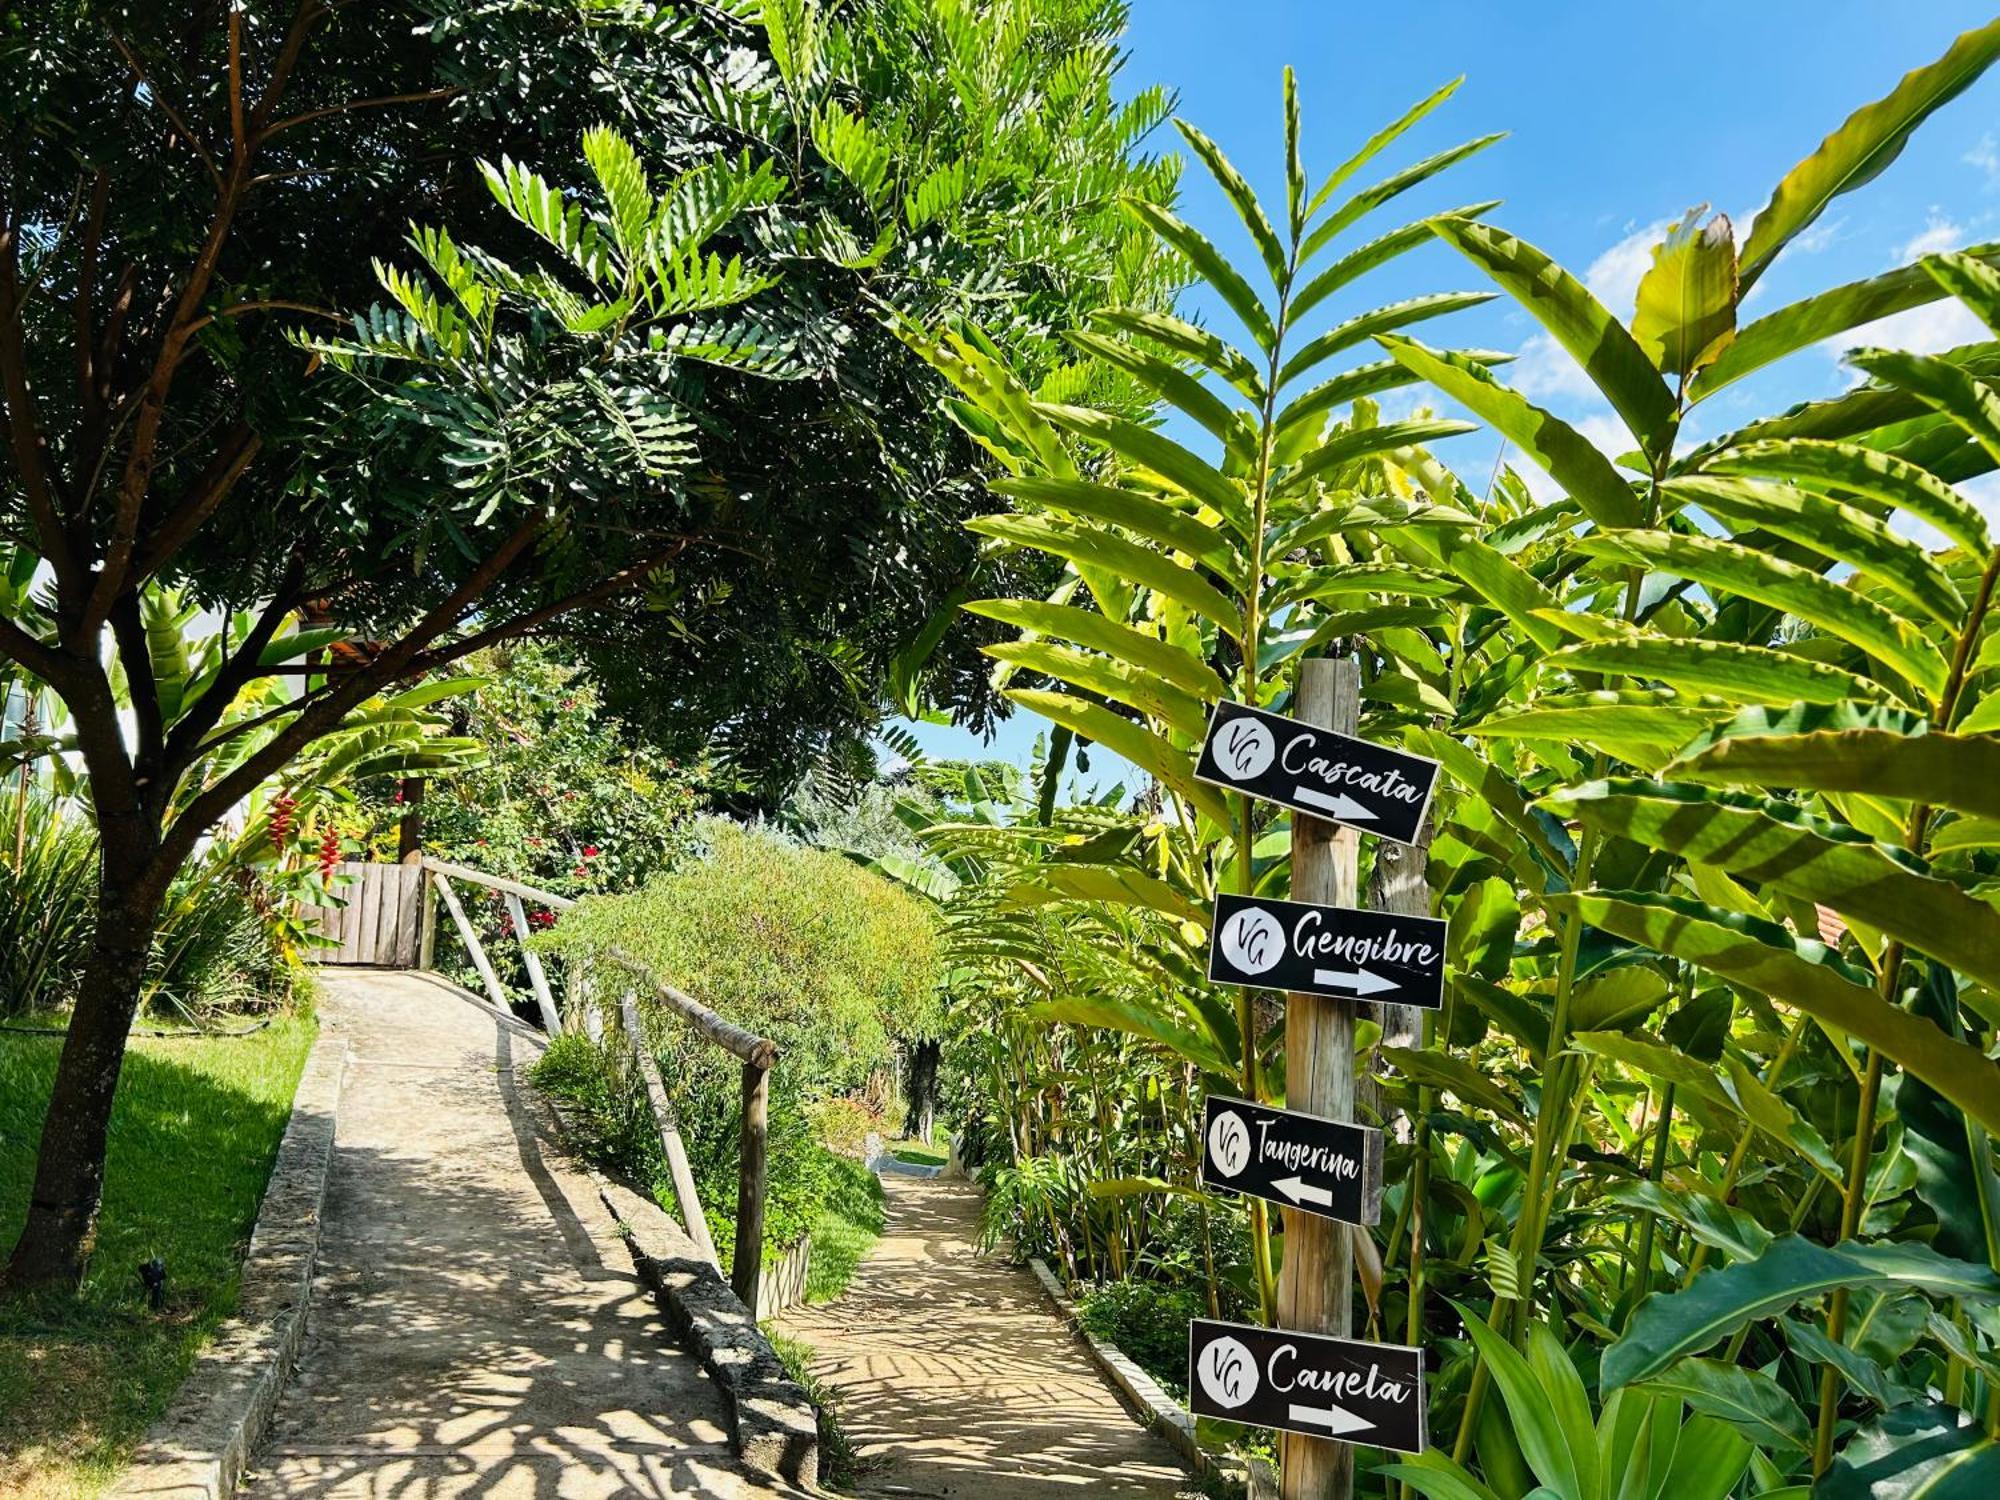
[955, 1377]
[476, 1327]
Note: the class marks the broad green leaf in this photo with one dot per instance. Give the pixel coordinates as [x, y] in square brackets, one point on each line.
[1555, 447]
[1797, 971]
[1185, 339]
[1107, 678]
[1146, 652]
[1175, 385]
[1532, 1412]
[1946, 387]
[1365, 202]
[1728, 568]
[1934, 1452]
[1820, 317]
[1971, 279]
[1369, 578]
[1598, 342]
[1792, 1270]
[1133, 741]
[1444, 1070]
[1941, 770]
[1119, 886]
[1099, 548]
[1833, 530]
[1716, 669]
[1212, 266]
[1863, 471]
[1152, 516]
[1751, 1402]
[1636, 727]
[1162, 455]
[1866, 142]
[1137, 1020]
[1859, 1371]
[1686, 311]
[1367, 257]
[1350, 444]
[1374, 145]
[1563, 1389]
[1380, 320]
[1432, 1473]
[1709, 1459]
[1778, 844]
[1248, 209]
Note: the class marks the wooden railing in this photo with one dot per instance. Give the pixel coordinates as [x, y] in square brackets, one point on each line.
[757, 1054]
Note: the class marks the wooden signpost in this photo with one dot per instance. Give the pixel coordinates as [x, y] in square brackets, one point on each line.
[1302, 1384]
[1322, 1391]
[1327, 1167]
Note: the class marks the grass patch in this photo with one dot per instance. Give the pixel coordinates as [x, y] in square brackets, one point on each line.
[848, 1222]
[919, 1153]
[193, 1135]
[837, 1463]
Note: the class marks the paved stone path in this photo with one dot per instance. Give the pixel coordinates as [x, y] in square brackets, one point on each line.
[476, 1329]
[955, 1378]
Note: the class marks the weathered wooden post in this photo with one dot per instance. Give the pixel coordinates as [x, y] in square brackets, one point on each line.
[753, 1142]
[1315, 1284]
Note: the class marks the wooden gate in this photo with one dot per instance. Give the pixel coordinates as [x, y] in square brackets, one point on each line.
[382, 921]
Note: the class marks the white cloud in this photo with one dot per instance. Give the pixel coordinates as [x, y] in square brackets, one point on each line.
[1944, 324]
[1986, 157]
[1543, 369]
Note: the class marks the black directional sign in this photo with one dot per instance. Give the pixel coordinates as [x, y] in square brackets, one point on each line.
[1370, 1394]
[1326, 1167]
[1340, 951]
[1312, 770]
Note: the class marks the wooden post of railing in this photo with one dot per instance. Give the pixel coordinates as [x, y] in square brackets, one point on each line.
[472, 944]
[537, 980]
[692, 1218]
[753, 1143]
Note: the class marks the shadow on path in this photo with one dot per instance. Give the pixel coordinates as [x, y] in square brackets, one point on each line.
[476, 1329]
[956, 1379]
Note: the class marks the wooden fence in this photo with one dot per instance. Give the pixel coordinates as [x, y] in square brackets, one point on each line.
[389, 920]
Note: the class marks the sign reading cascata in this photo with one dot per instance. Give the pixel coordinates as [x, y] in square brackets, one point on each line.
[1340, 951]
[1325, 1387]
[1316, 771]
[1326, 1167]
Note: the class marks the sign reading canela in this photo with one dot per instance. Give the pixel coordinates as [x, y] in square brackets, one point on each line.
[1340, 951]
[1326, 1167]
[1311, 770]
[1308, 1382]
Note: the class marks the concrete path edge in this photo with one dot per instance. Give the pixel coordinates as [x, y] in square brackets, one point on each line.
[775, 1429]
[1154, 1407]
[198, 1449]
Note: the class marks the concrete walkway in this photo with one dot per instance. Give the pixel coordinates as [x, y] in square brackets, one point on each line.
[955, 1378]
[476, 1329]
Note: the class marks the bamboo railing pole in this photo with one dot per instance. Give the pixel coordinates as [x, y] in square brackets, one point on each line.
[537, 980]
[472, 945]
[692, 1218]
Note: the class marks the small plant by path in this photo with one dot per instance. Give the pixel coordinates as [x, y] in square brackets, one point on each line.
[193, 1134]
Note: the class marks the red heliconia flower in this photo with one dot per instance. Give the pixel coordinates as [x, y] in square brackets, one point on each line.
[590, 851]
[329, 851]
[284, 806]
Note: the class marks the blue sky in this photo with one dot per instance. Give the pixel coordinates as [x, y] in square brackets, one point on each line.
[1620, 118]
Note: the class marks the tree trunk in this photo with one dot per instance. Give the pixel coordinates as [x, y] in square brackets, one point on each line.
[61, 1229]
[922, 1116]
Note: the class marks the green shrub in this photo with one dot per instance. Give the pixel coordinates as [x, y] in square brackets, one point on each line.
[805, 947]
[605, 1105]
[1149, 1321]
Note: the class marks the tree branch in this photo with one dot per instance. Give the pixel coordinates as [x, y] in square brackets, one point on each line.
[159, 97]
[268, 304]
[183, 746]
[178, 527]
[422, 96]
[128, 632]
[325, 715]
[303, 19]
[44, 661]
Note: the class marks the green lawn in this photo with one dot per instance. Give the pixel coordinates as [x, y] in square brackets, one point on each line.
[196, 1126]
[919, 1153]
[847, 1224]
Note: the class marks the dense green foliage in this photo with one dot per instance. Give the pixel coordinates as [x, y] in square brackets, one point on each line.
[828, 960]
[195, 1133]
[1704, 1128]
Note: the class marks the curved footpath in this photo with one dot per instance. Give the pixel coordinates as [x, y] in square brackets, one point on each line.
[955, 1378]
[476, 1328]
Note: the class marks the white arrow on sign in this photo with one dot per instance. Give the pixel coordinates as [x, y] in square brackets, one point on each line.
[1361, 981]
[1300, 1191]
[1332, 1418]
[1339, 803]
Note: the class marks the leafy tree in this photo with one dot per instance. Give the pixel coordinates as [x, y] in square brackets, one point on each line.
[193, 205]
